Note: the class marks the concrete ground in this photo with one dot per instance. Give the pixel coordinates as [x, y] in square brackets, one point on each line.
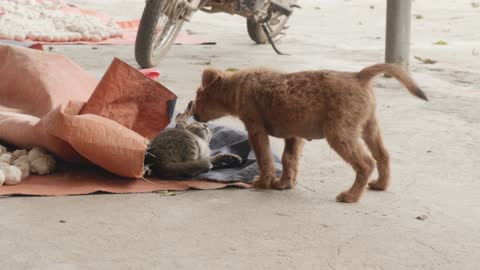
[434, 146]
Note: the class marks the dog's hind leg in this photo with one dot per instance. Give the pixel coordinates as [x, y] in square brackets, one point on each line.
[373, 138]
[291, 155]
[345, 140]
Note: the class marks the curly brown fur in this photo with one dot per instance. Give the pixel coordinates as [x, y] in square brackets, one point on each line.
[337, 106]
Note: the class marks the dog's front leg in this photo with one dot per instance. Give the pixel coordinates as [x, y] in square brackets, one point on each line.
[261, 147]
[291, 155]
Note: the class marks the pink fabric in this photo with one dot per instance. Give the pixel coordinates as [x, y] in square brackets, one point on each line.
[151, 73]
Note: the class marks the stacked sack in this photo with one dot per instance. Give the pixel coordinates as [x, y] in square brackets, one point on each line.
[17, 166]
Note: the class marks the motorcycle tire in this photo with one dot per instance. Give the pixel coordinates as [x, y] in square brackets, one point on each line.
[147, 52]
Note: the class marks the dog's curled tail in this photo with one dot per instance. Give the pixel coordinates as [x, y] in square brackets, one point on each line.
[368, 73]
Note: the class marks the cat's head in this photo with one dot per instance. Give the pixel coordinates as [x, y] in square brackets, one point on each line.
[201, 130]
[209, 103]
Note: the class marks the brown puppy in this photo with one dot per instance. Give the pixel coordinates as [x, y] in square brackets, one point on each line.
[338, 106]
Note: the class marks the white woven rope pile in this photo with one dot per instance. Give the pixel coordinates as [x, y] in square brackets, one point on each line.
[46, 21]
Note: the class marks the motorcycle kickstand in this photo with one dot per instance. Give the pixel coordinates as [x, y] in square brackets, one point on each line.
[270, 40]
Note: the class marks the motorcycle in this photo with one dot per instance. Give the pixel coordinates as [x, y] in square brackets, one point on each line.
[162, 20]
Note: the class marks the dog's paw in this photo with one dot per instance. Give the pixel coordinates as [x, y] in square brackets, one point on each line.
[283, 184]
[260, 183]
[347, 197]
[377, 185]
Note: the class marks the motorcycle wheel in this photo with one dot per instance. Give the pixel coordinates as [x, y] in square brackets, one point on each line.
[156, 33]
[276, 23]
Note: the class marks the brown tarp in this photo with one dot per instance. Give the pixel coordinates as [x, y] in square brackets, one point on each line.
[80, 181]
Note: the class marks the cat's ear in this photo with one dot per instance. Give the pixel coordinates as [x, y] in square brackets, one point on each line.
[211, 76]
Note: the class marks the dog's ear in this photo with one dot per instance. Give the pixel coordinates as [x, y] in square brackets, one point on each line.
[210, 76]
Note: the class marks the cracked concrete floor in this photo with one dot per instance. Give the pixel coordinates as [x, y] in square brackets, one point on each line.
[434, 147]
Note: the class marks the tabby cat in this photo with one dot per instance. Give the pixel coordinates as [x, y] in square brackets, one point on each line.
[184, 151]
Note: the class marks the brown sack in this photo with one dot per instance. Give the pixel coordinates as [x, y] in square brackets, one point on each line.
[26, 131]
[78, 138]
[130, 98]
[35, 82]
[125, 99]
[102, 141]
